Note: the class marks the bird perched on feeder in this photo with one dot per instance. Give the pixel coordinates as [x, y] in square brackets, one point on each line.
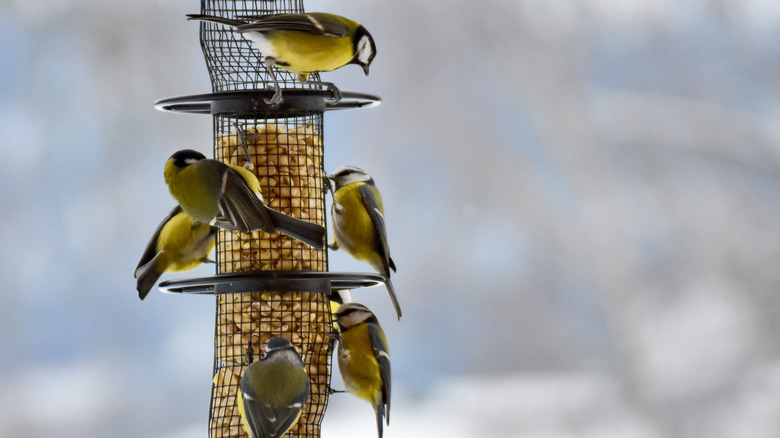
[178, 244]
[273, 391]
[229, 197]
[359, 223]
[304, 44]
[364, 358]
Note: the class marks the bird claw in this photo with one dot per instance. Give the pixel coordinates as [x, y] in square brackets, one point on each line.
[276, 99]
[326, 187]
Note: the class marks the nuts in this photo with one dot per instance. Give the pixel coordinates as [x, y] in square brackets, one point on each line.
[301, 317]
[289, 166]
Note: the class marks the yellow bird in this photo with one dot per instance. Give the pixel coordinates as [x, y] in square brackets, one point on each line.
[304, 43]
[364, 358]
[229, 197]
[359, 223]
[179, 244]
[273, 391]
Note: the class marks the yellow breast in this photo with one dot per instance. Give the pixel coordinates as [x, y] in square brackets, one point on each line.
[359, 235]
[358, 366]
[307, 53]
[195, 189]
[184, 244]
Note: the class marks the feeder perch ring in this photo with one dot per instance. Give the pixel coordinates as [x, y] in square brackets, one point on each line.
[273, 281]
[250, 103]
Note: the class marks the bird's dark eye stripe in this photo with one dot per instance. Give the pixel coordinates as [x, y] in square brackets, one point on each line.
[347, 312]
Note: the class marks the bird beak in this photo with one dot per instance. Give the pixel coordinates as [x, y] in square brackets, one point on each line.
[365, 69]
[327, 186]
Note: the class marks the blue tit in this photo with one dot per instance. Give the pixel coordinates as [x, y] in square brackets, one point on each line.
[273, 391]
[364, 358]
[229, 197]
[359, 223]
[179, 244]
[304, 43]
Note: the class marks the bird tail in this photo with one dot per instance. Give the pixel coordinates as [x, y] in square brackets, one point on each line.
[380, 413]
[393, 297]
[213, 19]
[307, 232]
[147, 276]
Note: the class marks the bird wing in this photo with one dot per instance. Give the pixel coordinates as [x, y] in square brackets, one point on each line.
[372, 207]
[151, 248]
[213, 19]
[382, 354]
[314, 23]
[239, 207]
[269, 421]
[307, 232]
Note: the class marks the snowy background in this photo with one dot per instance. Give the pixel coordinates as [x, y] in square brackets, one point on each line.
[583, 201]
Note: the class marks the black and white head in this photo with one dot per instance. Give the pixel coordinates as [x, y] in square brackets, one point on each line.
[281, 349]
[185, 157]
[351, 314]
[364, 47]
[349, 174]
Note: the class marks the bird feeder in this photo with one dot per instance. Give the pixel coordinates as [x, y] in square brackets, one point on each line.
[267, 285]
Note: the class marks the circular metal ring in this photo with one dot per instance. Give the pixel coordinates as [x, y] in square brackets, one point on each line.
[272, 281]
[251, 103]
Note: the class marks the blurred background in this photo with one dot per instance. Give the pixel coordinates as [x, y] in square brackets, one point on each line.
[583, 201]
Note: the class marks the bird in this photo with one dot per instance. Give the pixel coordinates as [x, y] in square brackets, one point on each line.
[364, 358]
[359, 223]
[304, 44]
[178, 244]
[273, 391]
[229, 197]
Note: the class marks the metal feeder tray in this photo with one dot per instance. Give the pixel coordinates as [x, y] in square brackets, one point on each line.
[272, 281]
[250, 103]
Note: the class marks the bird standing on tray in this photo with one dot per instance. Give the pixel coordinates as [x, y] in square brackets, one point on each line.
[364, 358]
[273, 391]
[304, 44]
[359, 223]
[229, 197]
[179, 244]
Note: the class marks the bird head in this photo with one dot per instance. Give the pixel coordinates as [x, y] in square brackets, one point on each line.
[365, 48]
[185, 157]
[349, 174]
[351, 314]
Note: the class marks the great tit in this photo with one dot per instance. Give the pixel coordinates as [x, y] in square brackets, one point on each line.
[273, 391]
[304, 43]
[178, 244]
[364, 358]
[359, 223]
[229, 197]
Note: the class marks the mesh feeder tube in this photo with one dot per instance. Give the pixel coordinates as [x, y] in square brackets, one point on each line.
[285, 144]
[287, 155]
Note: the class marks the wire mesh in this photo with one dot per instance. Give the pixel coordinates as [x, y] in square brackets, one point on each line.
[288, 161]
[287, 154]
[244, 319]
[233, 62]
